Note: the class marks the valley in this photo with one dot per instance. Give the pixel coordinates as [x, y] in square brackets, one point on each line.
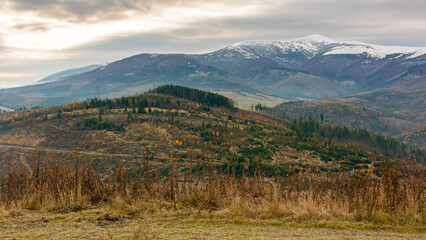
[392, 113]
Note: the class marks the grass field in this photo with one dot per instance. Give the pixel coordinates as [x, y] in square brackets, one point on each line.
[168, 224]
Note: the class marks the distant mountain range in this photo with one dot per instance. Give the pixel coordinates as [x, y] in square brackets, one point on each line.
[69, 73]
[269, 72]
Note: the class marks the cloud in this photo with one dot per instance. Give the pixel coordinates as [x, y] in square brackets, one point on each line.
[32, 27]
[380, 21]
[79, 10]
[14, 74]
[104, 10]
[13, 79]
[58, 24]
[385, 22]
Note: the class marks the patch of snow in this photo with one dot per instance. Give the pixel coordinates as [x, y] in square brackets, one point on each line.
[5, 109]
[198, 74]
[376, 51]
[308, 46]
[313, 44]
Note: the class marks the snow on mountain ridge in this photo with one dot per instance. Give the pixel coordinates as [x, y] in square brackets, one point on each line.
[375, 51]
[314, 44]
[308, 46]
[314, 38]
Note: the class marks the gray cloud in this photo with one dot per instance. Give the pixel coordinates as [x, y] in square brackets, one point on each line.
[78, 10]
[84, 10]
[161, 42]
[32, 27]
[100, 10]
[387, 22]
[381, 21]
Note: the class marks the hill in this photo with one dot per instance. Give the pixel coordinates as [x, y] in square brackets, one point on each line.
[172, 120]
[393, 113]
[69, 73]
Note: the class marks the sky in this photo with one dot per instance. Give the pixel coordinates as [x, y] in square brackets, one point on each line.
[41, 37]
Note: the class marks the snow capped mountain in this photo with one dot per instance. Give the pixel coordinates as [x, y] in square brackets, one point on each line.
[314, 44]
[375, 51]
[298, 54]
[361, 65]
[308, 46]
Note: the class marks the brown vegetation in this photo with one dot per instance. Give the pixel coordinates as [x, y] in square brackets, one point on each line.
[398, 195]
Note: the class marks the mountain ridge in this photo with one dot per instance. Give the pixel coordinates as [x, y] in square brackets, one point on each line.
[315, 41]
[68, 73]
[303, 68]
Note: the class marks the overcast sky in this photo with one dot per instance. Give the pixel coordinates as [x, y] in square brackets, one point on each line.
[41, 37]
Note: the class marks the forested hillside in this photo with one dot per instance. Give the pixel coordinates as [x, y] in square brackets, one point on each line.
[173, 120]
[392, 113]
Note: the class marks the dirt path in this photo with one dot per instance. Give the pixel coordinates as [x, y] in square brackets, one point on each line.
[66, 151]
[91, 153]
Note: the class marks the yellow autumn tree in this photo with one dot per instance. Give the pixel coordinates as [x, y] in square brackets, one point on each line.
[74, 104]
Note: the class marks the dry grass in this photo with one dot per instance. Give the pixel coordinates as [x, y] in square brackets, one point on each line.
[67, 189]
[108, 224]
